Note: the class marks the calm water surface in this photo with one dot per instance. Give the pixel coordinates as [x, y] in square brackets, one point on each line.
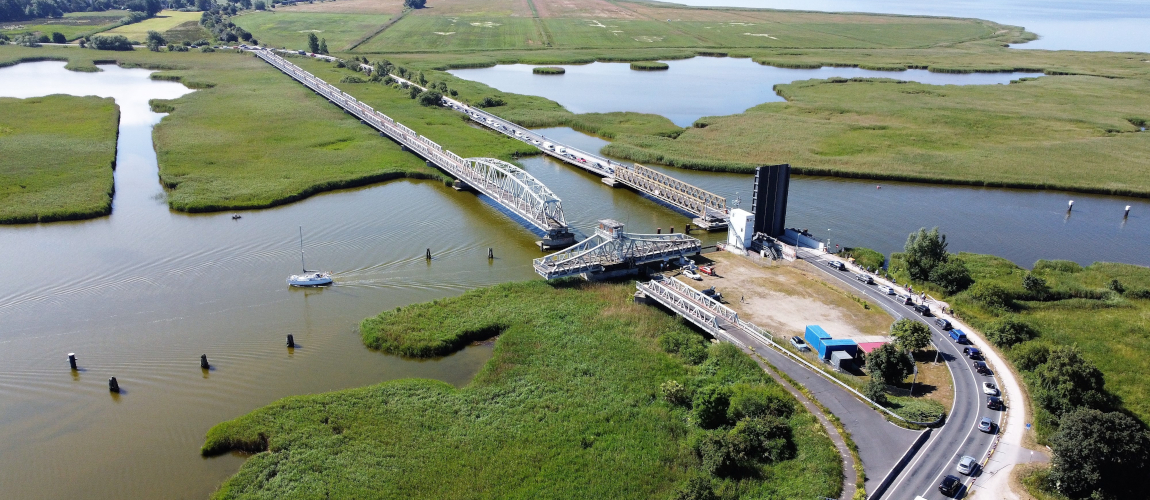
[1115, 25]
[142, 293]
[690, 88]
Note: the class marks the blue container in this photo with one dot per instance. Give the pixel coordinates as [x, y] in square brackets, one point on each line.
[831, 345]
[815, 336]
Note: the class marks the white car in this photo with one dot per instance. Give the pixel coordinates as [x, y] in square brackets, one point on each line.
[967, 465]
[887, 290]
[690, 273]
[989, 389]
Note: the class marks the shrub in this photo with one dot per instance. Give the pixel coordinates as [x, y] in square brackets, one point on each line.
[154, 41]
[673, 392]
[1115, 286]
[113, 42]
[430, 98]
[259, 5]
[990, 295]
[1029, 355]
[1062, 266]
[710, 406]
[206, 48]
[58, 37]
[548, 70]
[414, 4]
[43, 39]
[875, 390]
[1009, 331]
[1034, 284]
[716, 454]
[1067, 381]
[413, 92]
[697, 487]
[757, 401]
[865, 257]
[952, 276]
[766, 439]
[491, 102]
[352, 79]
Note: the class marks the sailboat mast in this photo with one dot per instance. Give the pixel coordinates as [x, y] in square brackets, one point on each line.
[301, 262]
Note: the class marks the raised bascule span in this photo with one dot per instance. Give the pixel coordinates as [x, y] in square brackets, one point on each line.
[506, 184]
[611, 252]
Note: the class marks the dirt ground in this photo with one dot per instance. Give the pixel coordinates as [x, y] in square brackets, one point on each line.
[785, 297]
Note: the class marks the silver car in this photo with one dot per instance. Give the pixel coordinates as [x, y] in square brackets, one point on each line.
[967, 465]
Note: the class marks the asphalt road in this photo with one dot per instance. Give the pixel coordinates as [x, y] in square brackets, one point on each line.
[959, 436]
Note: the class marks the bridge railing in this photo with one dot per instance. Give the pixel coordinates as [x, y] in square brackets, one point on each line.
[688, 308]
[711, 304]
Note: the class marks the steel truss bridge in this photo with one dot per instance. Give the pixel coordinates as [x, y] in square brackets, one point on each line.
[710, 209]
[503, 182]
[611, 250]
[705, 312]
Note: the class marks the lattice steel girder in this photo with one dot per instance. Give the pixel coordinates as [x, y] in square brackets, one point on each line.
[671, 190]
[696, 313]
[598, 252]
[521, 192]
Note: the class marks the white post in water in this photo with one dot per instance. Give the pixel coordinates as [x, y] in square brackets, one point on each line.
[1071, 207]
[1127, 212]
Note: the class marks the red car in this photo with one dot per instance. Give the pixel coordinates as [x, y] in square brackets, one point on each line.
[708, 270]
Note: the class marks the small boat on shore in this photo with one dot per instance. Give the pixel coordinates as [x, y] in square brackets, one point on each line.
[308, 278]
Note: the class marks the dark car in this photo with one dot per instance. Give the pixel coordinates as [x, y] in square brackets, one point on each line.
[922, 309]
[942, 323]
[863, 278]
[981, 367]
[950, 485]
[836, 265]
[994, 403]
[972, 352]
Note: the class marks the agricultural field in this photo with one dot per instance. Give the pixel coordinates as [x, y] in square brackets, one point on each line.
[73, 25]
[583, 387]
[290, 29]
[54, 169]
[418, 33]
[388, 7]
[162, 22]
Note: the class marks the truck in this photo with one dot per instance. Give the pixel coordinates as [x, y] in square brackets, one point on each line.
[958, 336]
[562, 150]
[548, 145]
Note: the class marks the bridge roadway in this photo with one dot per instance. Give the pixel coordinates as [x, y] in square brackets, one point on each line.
[709, 209]
[507, 184]
[960, 435]
[880, 444]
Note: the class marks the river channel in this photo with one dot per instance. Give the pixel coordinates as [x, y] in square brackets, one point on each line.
[141, 294]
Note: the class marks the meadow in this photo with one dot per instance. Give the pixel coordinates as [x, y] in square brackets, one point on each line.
[569, 406]
[73, 25]
[163, 21]
[55, 169]
[290, 29]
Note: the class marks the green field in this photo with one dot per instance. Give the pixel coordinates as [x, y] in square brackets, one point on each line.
[416, 33]
[569, 407]
[53, 169]
[290, 29]
[163, 21]
[73, 25]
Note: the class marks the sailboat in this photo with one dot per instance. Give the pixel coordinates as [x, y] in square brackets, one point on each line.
[308, 278]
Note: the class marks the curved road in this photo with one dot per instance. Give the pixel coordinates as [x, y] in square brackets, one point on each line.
[960, 435]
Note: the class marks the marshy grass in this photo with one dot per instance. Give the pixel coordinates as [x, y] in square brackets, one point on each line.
[572, 391]
[56, 169]
[649, 66]
[548, 70]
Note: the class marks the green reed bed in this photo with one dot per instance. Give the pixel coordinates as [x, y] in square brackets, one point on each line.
[570, 406]
[56, 169]
[548, 70]
[649, 66]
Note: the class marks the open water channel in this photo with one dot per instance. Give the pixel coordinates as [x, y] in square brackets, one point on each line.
[142, 293]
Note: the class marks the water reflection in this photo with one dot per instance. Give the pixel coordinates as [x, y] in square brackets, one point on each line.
[691, 88]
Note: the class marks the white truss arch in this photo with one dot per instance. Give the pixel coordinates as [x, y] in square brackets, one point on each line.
[519, 191]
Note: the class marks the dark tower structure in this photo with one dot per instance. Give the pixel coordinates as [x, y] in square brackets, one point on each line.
[769, 201]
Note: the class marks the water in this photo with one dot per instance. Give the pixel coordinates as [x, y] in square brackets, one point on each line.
[690, 88]
[1112, 25]
[1020, 225]
[142, 293]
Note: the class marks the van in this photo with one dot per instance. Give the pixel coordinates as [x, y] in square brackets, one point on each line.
[562, 150]
[958, 336]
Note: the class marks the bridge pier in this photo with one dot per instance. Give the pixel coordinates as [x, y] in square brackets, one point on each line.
[459, 185]
[610, 181]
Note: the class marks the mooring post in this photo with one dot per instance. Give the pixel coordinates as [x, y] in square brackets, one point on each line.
[291, 341]
[1071, 206]
[72, 360]
[428, 254]
[490, 253]
[672, 231]
[113, 385]
[1127, 214]
[658, 230]
[204, 362]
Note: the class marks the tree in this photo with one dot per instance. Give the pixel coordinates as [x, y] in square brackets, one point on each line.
[763, 439]
[1067, 381]
[420, 79]
[414, 4]
[952, 276]
[923, 252]
[756, 401]
[1100, 455]
[1029, 355]
[674, 393]
[413, 92]
[1034, 284]
[910, 335]
[154, 41]
[1009, 331]
[247, 4]
[312, 43]
[710, 406]
[323, 46]
[58, 37]
[113, 42]
[888, 364]
[875, 390]
[698, 487]
[205, 5]
[259, 5]
[1116, 286]
[430, 98]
